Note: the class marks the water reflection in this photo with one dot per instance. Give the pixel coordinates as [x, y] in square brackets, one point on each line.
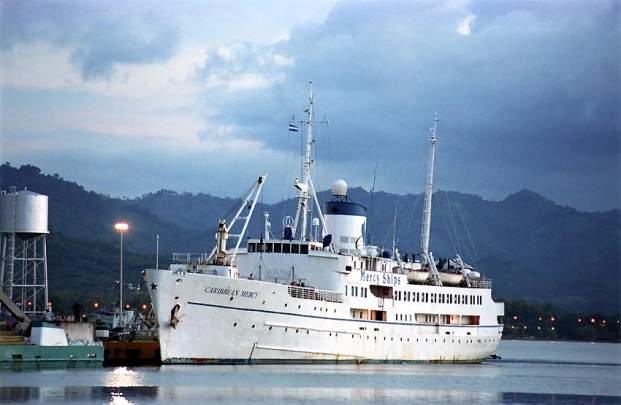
[122, 377]
[278, 396]
[79, 395]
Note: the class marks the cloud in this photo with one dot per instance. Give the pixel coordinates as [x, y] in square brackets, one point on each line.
[101, 53]
[527, 92]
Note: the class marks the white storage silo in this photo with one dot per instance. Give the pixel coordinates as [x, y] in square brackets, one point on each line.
[23, 270]
[23, 212]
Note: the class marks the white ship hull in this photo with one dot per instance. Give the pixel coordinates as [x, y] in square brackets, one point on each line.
[223, 320]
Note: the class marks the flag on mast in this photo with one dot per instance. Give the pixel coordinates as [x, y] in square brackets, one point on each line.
[293, 128]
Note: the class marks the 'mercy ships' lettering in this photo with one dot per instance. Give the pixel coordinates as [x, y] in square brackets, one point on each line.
[384, 278]
[231, 292]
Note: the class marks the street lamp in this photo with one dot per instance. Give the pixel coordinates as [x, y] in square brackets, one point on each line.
[121, 227]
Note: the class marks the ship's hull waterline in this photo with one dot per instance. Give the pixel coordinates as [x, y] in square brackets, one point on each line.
[224, 321]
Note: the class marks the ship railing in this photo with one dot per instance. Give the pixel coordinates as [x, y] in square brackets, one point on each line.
[481, 283]
[189, 258]
[308, 293]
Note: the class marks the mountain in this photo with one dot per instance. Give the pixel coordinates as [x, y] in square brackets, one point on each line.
[532, 248]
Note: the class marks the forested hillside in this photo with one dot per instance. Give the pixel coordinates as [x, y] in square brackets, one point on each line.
[532, 248]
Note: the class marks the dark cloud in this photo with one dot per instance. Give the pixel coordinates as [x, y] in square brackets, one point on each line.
[101, 34]
[529, 99]
[110, 44]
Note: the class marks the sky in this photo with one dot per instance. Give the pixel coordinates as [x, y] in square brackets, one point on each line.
[131, 97]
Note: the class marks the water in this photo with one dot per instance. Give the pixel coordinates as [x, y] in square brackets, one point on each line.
[528, 373]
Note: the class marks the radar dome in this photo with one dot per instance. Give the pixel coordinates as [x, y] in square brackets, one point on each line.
[339, 187]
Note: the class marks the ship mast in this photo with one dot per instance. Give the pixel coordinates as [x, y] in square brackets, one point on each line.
[304, 185]
[428, 193]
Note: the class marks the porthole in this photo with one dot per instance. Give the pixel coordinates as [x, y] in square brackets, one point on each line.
[231, 299]
[235, 324]
[299, 306]
[307, 332]
[285, 305]
[263, 303]
[252, 326]
[296, 331]
[286, 329]
[270, 328]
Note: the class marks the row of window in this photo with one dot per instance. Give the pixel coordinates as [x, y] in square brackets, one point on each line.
[364, 291]
[294, 247]
[439, 298]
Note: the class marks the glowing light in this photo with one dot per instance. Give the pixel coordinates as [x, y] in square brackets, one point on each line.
[121, 227]
[144, 306]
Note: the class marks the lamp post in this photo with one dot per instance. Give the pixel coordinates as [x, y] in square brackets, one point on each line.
[121, 227]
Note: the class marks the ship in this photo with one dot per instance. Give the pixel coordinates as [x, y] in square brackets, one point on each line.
[37, 344]
[321, 293]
